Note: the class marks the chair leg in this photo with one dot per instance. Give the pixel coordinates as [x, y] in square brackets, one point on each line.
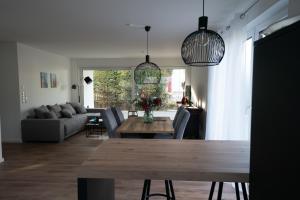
[237, 191]
[172, 190]
[148, 189]
[245, 195]
[144, 190]
[167, 190]
[220, 191]
[212, 189]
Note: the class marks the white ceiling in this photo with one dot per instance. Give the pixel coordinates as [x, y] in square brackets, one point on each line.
[96, 28]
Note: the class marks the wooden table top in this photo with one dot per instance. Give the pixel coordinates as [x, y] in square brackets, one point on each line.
[136, 125]
[188, 160]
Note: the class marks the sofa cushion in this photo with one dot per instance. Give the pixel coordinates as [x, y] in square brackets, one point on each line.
[41, 111]
[75, 124]
[66, 113]
[80, 109]
[50, 115]
[56, 109]
[68, 106]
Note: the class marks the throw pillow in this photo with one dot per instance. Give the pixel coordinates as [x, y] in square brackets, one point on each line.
[80, 109]
[56, 109]
[40, 112]
[69, 107]
[66, 113]
[50, 115]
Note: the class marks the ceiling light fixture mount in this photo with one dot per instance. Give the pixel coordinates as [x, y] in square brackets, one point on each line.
[147, 72]
[203, 47]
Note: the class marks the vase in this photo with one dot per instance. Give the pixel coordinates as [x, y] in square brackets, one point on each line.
[148, 117]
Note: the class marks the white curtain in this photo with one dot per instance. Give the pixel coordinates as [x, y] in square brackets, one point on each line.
[229, 91]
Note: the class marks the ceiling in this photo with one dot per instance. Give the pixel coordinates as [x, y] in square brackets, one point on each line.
[97, 28]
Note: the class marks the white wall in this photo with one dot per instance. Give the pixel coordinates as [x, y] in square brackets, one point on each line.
[9, 93]
[294, 8]
[32, 61]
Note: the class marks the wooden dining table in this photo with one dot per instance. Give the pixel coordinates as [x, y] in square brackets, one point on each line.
[140, 159]
[137, 126]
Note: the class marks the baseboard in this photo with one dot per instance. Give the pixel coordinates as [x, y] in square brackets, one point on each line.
[11, 141]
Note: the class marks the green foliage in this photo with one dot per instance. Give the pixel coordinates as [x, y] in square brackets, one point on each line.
[112, 88]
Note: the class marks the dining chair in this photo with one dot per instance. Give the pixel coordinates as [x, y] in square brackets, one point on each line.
[182, 120]
[118, 115]
[176, 115]
[109, 122]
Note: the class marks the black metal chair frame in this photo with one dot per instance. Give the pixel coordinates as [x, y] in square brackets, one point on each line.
[170, 194]
[220, 191]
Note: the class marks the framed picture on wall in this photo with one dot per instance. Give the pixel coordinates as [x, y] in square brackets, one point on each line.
[53, 80]
[44, 79]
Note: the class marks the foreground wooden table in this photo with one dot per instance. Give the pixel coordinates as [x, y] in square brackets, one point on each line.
[136, 125]
[187, 160]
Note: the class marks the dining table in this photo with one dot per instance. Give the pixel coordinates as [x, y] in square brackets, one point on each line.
[135, 126]
[161, 159]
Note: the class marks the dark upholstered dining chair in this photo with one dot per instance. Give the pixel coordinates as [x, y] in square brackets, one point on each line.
[182, 119]
[109, 122]
[176, 115]
[118, 115]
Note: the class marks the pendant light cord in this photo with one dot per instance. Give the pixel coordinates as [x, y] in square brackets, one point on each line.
[147, 44]
[203, 7]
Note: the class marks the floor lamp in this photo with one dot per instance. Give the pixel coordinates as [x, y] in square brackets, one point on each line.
[87, 80]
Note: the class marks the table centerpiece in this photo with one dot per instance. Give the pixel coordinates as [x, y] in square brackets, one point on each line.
[148, 104]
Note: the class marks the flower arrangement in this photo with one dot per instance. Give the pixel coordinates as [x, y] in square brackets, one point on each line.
[148, 104]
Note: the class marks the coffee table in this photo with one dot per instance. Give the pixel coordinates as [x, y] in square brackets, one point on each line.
[94, 127]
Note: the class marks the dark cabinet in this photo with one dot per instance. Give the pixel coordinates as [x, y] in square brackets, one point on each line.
[195, 126]
[275, 116]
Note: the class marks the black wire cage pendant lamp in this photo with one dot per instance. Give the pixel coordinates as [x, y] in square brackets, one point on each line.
[203, 47]
[147, 72]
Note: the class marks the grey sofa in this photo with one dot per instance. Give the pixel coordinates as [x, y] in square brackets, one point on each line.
[54, 130]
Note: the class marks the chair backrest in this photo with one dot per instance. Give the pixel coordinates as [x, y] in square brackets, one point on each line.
[109, 122]
[118, 115]
[176, 115]
[182, 120]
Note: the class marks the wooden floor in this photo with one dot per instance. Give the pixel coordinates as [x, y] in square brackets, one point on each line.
[49, 171]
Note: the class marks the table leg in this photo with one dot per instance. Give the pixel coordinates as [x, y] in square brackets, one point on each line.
[212, 189]
[95, 189]
[220, 191]
[245, 195]
[237, 191]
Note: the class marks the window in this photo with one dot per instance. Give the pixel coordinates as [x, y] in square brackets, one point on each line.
[117, 88]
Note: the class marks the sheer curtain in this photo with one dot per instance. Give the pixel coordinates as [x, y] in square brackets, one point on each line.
[229, 90]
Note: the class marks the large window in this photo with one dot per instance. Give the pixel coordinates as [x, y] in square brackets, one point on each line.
[117, 88]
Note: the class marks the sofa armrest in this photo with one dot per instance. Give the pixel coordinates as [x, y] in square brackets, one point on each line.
[42, 130]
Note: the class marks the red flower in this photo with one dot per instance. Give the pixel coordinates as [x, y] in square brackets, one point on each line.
[148, 103]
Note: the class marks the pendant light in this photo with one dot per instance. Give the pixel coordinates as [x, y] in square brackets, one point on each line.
[203, 47]
[147, 72]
